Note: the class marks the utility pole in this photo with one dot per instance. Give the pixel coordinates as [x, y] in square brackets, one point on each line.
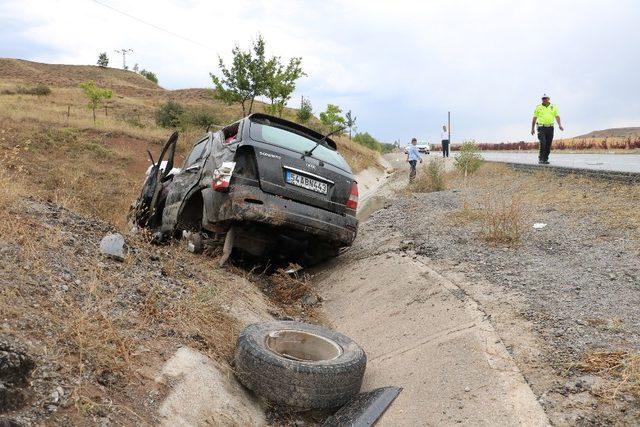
[124, 52]
[449, 125]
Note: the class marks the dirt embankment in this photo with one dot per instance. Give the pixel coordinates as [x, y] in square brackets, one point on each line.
[562, 300]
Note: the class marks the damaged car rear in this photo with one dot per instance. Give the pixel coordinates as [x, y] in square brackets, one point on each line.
[271, 187]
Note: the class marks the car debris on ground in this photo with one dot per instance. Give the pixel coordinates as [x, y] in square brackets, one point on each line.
[113, 246]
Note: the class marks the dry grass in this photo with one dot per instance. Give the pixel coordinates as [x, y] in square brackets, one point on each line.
[573, 144]
[622, 367]
[430, 178]
[109, 320]
[358, 156]
[502, 219]
[543, 191]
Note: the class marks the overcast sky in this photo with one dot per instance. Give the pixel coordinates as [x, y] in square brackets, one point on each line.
[399, 65]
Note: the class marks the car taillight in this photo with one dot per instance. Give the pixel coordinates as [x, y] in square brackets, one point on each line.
[352, 202]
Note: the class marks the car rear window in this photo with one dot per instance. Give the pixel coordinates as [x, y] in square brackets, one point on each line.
[295, 142]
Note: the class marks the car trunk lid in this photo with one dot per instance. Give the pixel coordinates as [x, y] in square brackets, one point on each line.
[309, 180]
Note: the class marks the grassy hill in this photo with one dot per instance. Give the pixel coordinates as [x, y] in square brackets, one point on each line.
[52, 141]
[629, 132]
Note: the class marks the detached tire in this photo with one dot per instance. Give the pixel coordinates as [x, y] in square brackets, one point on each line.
[301, 365]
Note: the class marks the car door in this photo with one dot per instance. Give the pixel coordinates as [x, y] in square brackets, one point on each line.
[184, 182]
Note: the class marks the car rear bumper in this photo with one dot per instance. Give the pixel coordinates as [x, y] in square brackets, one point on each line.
[247, 203]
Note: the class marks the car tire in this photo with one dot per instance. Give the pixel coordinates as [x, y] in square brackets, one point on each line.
[300, 365]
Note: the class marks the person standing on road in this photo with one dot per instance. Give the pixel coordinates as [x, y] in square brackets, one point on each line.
[413, 155]
[544, 115]
[445, 141]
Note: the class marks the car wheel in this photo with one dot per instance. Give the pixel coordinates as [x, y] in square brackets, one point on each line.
[301, 365]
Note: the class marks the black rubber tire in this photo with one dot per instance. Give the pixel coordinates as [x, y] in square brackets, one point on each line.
[299, 384]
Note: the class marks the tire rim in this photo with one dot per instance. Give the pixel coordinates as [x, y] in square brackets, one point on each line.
[302, 346]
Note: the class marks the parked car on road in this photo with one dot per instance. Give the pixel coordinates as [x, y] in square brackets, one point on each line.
[423, 147]
[270, 185]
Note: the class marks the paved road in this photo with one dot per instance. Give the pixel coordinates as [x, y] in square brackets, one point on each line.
[609, 162]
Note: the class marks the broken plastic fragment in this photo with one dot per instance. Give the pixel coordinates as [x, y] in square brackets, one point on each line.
[539, 225]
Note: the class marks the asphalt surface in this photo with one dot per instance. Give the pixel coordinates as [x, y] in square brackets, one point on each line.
[607, 162]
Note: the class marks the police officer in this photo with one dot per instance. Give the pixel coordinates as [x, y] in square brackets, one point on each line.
[544, 116]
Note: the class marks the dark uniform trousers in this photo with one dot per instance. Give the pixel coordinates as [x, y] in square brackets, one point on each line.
[545, 136]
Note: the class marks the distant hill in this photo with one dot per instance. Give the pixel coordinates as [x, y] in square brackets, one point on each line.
[613, 133]
[62, 75]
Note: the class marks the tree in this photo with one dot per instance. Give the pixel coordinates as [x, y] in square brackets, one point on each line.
[332, 117]
[136, 68]
[149, 75]
[305, 111]
[245, 79]
[282, 82]
[95, 95]
[251, 75]
[103, 60]
[469, 160]
[350, 122]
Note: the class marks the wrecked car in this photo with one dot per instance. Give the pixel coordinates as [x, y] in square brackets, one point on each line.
[271, 187]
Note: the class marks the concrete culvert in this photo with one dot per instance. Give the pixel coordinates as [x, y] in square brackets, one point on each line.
[300, 365]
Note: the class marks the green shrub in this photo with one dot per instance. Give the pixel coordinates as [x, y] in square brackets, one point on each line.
[169, 114]
[199, 118]
[149, 75]
[305, 111]
[39, 89]
[430, 179]
[174, 115]
[468, 160]
[368, 141]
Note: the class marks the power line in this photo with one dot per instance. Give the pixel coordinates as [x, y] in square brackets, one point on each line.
[152, 25]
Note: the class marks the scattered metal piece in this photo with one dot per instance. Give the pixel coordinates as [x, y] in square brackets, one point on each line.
[112, 246]
[364, 409]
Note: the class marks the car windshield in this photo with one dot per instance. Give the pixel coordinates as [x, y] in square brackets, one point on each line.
[296, 142]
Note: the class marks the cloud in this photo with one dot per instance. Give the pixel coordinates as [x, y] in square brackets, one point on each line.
[400, 66]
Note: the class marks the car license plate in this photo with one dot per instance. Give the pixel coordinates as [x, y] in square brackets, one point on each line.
[308, 183]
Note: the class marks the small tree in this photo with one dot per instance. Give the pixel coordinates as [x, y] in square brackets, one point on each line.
[281, 82]
[332, 117]
[305, 111]
[469, 160]
[244, 79]
[95, 95]
[103, 60]
[136, 68]
[149, 75]
[251, 75]
[350, 122]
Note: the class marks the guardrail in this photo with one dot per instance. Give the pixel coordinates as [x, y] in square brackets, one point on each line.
[628, 177]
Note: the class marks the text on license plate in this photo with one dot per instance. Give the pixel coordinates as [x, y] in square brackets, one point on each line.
[308, 183]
